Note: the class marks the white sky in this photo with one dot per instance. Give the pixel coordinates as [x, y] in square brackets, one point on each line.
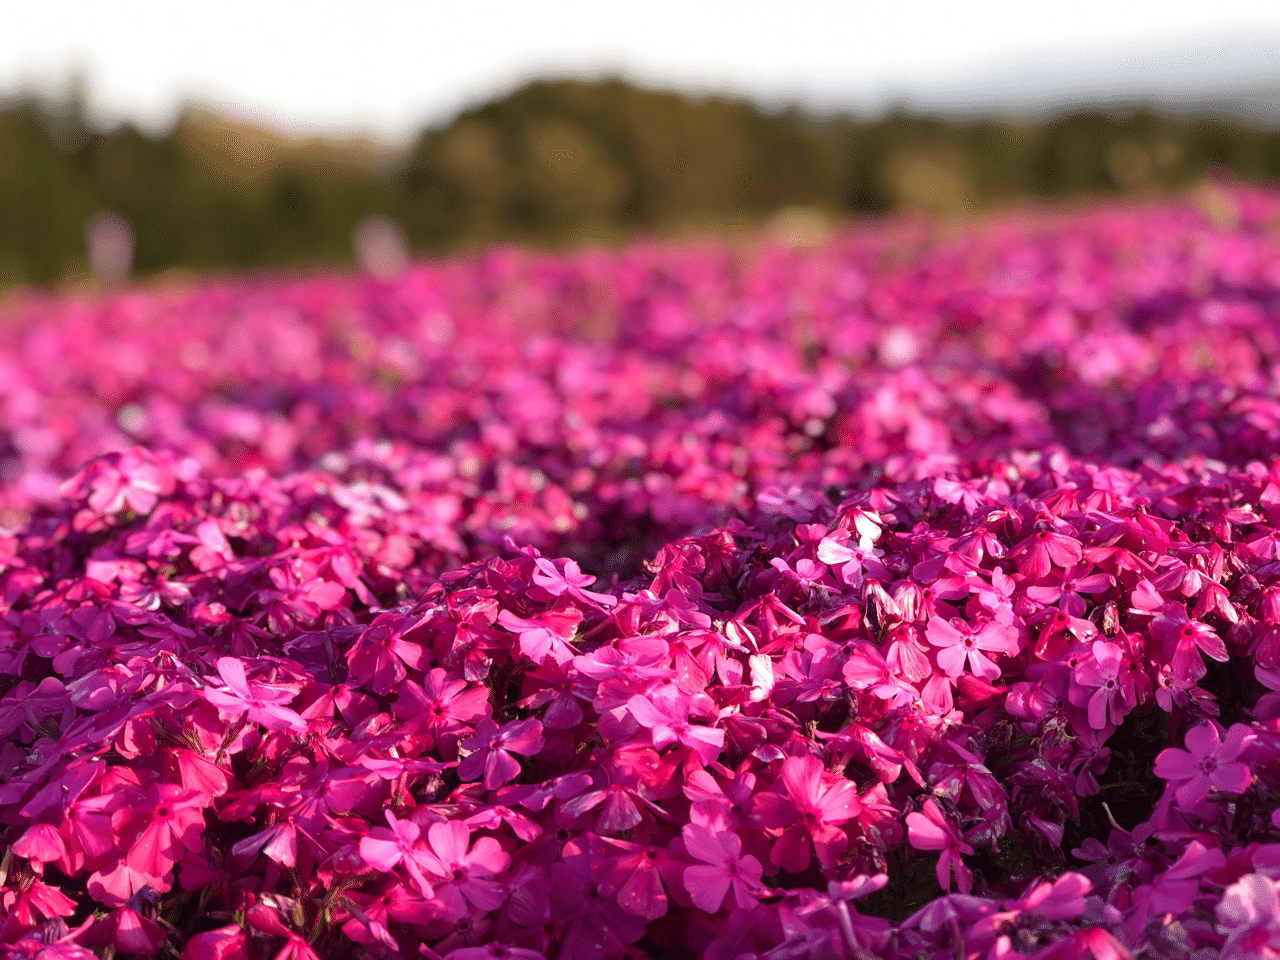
[387, 67]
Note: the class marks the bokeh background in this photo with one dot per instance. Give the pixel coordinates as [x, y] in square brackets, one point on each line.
[149, 138]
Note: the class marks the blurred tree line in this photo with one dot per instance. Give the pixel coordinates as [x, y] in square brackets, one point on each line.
[554, 163]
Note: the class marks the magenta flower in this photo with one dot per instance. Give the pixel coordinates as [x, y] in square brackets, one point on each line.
[224, 943]
[597, 926]
[1104, 675]
[810, 811]
[634, 877]
[464, 874]
[959, 641]
[572, 582]
[41, 844]
[384, 849]
[1249, 917]
[279, 843]
[905, 654]
[1208, 763]
[1187, 638]
[793, 502]
[1177, 887]
[932, 831]
[866, 669]
[442, 707]
[1063, 899]
[544, 635]
[381, 655]
[492, 748]
[174, 822]
[1043, 550]
[129, 932]
[130, 480]
[724, 867]
[667, 719]
[617, 801]
[265, 917]
[259, 702]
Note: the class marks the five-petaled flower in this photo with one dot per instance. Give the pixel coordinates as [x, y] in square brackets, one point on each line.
[492, 747]
[1209, 763]
[723, 867]
[809, 808]
[1100, 685]
[958, 641]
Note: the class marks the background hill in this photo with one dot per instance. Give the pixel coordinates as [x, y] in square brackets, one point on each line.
[561, 162]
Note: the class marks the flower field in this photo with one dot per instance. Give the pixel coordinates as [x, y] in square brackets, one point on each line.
[912, 595]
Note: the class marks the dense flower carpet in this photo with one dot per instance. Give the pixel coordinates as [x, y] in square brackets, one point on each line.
[912, 595]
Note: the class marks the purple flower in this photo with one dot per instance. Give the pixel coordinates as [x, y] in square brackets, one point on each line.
[1208, 763]
[464, 874]
[491, 750]
[958, 641]
[384, 849]
[546, 635]
[1249, 916]
[571, 582]
[1103, 674]
[667, 719]
[258, 702]
[723, 867]
[931, 830]
[809, 809]
[1186, 639]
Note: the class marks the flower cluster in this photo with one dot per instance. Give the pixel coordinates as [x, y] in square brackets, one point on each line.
[911, 597]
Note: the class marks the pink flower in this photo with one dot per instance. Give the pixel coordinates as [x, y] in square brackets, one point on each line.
[279, 843]
[174, 821]
[617, 801]
[380, 657]
[794, 502]
[443, 707]
[132, 479]
[1174, 890]
[905, 654]
[635, 876]
[544, 635]
[667, 719]
[932, 831]
[41, 844]
[1044, 549]
[1208, 763]
[224, 943]
[130, 932]
[384, 849]
[465, 873]
[810, 811]
[571, 582]
[597, 926]
[1175, 629]
[1249, 917]
[492, 749]
[960, 641]
[725, 867]
[1063, 899]
[260, 702]
[267, 918]
[1103, 674]
[866, 669]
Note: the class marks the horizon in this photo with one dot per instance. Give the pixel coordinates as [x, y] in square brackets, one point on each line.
[344, 81]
